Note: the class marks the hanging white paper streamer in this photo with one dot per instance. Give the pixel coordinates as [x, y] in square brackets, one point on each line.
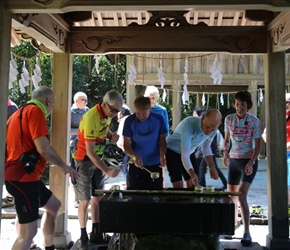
[36, 77]
[222, 101]
[24, 81]
[215, 70]
[164, 95]
[185, 95]
[203, 99]
[12, 72]
[160, 75]
[132, 73]
[261, 96]
[96, 57]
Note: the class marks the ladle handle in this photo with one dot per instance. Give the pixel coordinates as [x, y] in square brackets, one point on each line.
[147, 170]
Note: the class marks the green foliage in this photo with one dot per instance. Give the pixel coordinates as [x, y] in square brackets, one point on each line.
[95, 85]
[26, 53]
[81, 74]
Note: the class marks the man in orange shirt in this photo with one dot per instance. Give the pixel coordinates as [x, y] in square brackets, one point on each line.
[27, 152]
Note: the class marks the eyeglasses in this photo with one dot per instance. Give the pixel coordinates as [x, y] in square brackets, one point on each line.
[84, 100]
[112, 109]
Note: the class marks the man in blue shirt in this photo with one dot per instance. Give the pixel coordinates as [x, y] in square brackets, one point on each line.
[144, 139]
[190, 133]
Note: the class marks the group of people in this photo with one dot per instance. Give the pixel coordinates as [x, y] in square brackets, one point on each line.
[145, 139]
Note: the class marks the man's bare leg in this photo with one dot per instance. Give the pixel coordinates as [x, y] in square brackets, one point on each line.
[48, 220]
[26, 233]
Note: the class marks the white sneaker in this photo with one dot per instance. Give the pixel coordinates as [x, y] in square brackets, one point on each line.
[7, 203]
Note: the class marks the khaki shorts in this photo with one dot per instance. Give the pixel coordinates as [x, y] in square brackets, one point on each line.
[91, 178]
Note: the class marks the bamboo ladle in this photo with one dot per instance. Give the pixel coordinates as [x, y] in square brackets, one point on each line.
[153, 175]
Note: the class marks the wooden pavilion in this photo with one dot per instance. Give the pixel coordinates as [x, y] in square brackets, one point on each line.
[68, 27]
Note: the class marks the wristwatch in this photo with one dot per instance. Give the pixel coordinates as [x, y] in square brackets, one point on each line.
[253, 161]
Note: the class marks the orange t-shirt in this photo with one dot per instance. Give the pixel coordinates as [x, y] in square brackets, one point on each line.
[288, 126]
[33, 126]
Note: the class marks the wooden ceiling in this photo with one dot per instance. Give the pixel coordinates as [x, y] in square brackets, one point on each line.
[210, 18]
[114, 26]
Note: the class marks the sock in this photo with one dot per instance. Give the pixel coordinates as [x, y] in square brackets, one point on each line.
[84, 233]
[95, 228]
[50, 247]
[9, 198]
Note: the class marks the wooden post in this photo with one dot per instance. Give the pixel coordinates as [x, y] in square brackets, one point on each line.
[278, 237]
[253, 90]
[5, 34]
[60, 127]
[176, 111]
[262, 117]
[198, 100]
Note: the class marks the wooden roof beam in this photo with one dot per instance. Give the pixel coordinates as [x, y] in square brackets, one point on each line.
[50, 30]
[279, 30]
[61, 6]
[100, 40]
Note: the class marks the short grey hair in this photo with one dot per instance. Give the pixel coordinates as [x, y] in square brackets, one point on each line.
[40, 93]
[151, 90]
[78, 94]
[113, 97]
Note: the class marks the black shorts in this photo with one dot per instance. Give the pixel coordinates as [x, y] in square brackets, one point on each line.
[139, 179]
[175, 167]
[29, 197]
[236, 171]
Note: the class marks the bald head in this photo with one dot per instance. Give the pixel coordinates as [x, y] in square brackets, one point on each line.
[44, 95]
[41, 93]
[211, 121]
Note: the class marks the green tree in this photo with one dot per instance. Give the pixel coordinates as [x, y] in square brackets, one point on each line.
[26, 54]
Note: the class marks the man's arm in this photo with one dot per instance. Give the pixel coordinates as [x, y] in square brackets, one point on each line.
[49, 154]
[162, 149]
[212, 167]
[129, 151]
[186, 162]
[208, 156]
[96, 160]
[249, 166]
[264, 135]
[227, 145]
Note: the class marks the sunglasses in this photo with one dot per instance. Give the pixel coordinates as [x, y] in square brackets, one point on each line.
[112, 109]
[84, 100]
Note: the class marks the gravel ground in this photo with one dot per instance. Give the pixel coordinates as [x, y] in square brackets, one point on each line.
[8, 234]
